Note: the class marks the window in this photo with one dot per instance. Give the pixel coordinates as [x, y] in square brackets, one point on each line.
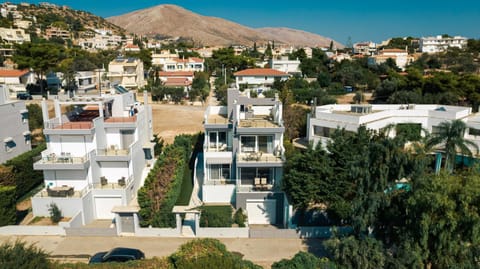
[321, 131]
[9, 144]
[24, 114]
[248, 174]
[435, 130]
[217, 140]
[473, 131]
[148, 153]
[28, 137]
[248, 144]
[219, 171]
[265, 144]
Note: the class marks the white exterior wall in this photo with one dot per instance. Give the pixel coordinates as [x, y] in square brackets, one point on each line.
[382, 116]
[218, 193]
[12, 126]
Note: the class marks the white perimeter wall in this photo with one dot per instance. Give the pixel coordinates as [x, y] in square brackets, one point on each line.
[218, 193]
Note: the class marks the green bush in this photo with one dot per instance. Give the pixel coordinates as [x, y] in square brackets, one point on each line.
[26, 178]
[55, 213]
[19, 255]
[240, 218]
[302, 260]
[208, 253]
[216, 216]
[7, 206]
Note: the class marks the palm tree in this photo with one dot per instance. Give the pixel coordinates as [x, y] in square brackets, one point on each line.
[451, 138]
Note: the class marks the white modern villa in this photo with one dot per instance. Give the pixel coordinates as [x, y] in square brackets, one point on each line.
[243, 157]
[97, 150]
[324, 120]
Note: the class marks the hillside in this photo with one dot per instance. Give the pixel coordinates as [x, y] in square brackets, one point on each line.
[65, 17]
[175, 21]
[297, 37]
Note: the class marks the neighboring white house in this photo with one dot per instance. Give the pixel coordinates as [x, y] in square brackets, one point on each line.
[14, 132]
[99, 42]
[243, 157]
[439, 43]
[14, 36]
[258, 77]
[96, 154]
[285, 65]
[365, 48]
[401, 57]
[127, 72]
[15, 81]
[326, 119]
[169, 62]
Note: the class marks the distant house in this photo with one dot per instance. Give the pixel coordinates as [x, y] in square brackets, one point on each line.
[171, 62]
[400, 56]
[365, 48]
[15, 81]
[14, 36]
[259, 77]
[285, 65]
[177, 79]
[127, 72]
[57, 32]
[131, 47]
[440, 43]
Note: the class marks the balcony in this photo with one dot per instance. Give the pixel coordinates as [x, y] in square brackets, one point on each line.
[256, 159]
[65, 161]
[113, 154]
[62, 192]
[54, 126]
[110, 184]
[123, 122]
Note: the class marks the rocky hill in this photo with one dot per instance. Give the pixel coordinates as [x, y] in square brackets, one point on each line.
[175, 21]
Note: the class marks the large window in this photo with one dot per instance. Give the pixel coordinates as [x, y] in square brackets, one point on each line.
[261, 143]
[248, 174]
[217, 140]
[219, 171]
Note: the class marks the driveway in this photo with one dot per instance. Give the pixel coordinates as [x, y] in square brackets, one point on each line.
[260, 251]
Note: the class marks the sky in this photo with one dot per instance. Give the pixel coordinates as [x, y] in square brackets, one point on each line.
[357, 21]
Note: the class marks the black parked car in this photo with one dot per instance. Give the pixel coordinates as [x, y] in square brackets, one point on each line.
[24, 96]
[118, 255]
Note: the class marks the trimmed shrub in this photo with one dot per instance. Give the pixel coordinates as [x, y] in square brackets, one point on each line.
[7, 206]
[208, 253]
[55, 213]
[216, 216]
[240, 218]
[302, 260]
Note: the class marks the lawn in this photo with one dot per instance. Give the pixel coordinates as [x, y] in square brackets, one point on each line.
[187, 187]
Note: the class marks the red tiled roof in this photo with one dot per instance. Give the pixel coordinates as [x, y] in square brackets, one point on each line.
[132, 46]
[177, 82]
[261, 72]
[176, 74]
[13, 72]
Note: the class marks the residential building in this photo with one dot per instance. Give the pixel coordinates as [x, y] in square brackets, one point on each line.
[97, 150]
[170, 62]
[127, 72]
[131, 47]
[15, 132]
[177, 79]
[441, 43]
[365, 48]
[14, 36]
[100, 42]
[401, 57]
[244, 155]
[324, 120]
[285, 65]
[261, 77]
[15, 81]
[57, 32]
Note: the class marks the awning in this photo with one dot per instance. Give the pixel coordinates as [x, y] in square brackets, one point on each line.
[218, 160]
[8, 139]
[27, 133]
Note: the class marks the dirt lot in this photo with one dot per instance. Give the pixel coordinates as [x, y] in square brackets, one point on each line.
[171, 120]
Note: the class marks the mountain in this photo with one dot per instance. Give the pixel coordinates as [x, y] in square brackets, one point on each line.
[175, 21]
[297, 37]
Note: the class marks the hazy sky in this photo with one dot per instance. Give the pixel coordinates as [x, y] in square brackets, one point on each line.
[369, 20]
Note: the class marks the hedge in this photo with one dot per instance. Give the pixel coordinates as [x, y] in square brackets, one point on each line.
[8, 211]
[163, 184]
[216, 216]
[26, 178]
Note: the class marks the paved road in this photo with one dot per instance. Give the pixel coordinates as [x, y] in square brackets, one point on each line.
[260, 251]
